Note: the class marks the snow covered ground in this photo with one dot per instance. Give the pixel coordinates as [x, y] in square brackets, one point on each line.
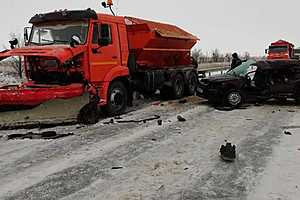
[178, 160]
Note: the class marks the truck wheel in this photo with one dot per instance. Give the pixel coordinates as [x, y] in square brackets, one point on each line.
[233, 98]
[178, 86]
[117, 99]
[192, 83]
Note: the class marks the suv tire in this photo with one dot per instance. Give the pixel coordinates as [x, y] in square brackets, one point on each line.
[233, 98]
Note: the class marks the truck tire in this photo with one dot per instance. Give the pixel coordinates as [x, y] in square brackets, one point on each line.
[117, 99]
[233, 98]
[178, 86]
[192, 83]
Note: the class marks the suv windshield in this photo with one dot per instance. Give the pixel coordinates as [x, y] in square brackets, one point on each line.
[243, 69]
[58, 33]
[278, 49]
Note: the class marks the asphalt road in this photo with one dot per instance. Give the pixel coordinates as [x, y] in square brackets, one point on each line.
[178, 160]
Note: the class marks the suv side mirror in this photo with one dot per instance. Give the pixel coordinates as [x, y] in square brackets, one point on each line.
[27, 31]
[103, 42]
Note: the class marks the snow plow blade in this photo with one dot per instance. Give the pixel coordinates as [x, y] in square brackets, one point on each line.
[62, 108]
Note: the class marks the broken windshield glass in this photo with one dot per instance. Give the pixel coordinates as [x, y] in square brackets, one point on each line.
[58, 33]
[243, 69]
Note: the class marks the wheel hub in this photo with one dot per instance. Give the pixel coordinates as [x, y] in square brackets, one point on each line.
[117, 98]
[234, 98]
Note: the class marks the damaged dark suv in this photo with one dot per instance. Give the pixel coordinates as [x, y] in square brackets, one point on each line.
[254, 81]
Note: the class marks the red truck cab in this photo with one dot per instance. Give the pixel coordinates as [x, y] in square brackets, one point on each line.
[280, 50]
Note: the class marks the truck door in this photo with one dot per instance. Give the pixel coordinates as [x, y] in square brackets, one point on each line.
[103, 57]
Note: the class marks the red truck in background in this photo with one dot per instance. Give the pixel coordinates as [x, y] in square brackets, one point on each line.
[69, 51]
[280, 49]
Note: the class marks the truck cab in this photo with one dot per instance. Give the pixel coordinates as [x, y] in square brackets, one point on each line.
[280, 50]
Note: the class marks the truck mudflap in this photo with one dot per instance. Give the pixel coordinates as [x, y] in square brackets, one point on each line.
[41, 107]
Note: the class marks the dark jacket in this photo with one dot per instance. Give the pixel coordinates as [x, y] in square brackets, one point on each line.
[235, 62]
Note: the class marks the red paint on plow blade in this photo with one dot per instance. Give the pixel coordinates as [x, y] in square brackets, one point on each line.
[34, 95]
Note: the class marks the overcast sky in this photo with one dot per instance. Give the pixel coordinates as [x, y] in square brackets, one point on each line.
[229, 25]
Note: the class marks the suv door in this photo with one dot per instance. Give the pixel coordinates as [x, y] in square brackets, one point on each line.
[107, 56]
[282, 81]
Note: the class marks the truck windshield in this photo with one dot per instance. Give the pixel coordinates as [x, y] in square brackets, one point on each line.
[243, 69]
[58, 33]
[278, 49]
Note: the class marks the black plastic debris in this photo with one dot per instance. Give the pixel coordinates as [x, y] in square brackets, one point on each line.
[287, 133]
[111, 121]
[155, 117]
[228, 152]
[159, 122]
[180, 118]
[117, 168]
[47, 135]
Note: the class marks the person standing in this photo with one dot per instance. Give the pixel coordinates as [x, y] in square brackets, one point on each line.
[236, 61]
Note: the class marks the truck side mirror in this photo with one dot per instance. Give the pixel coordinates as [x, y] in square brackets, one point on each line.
[266, 51]
[27, 31]
[75, 40]
[13, 43]
[103, 42]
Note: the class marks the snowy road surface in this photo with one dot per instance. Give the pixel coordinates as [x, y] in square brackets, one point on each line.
[178, 160]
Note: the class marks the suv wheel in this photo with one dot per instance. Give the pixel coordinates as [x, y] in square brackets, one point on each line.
[233, 98]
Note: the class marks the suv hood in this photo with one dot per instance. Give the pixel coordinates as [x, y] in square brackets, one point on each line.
[60, 52]
[220, 78]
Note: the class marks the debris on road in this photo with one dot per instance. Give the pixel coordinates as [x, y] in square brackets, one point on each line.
[287, 133]
[182, 101]
[111, 121]
[291, 111]
[159, 122]
[117, 168]
[155, 117]
[228, 152]
[47, 135]
[180, 118]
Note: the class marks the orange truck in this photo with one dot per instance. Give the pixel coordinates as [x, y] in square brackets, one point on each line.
[70, 52]
[280, 49]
